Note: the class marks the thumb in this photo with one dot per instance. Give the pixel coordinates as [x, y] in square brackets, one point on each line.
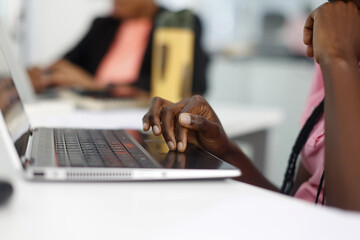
[198, 123]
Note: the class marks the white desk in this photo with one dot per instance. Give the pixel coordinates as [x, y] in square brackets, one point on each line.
[168, 210]
[222, 209]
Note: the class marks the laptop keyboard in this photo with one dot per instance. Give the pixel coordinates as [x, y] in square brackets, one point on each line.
[98, 148]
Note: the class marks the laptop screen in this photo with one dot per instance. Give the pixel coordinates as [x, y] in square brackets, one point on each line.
[10, 104]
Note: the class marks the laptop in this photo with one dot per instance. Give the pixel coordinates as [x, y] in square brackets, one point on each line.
[47, 154]
[82, 101]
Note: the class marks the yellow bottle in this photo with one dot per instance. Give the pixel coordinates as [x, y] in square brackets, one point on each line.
[173, 56]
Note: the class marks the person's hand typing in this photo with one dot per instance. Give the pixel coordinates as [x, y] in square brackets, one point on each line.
[190, 120]
[38, 80]
[65, 74]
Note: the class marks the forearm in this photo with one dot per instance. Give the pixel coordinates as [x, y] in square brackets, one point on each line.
[69, 74]
[342, 127]
[250, 174]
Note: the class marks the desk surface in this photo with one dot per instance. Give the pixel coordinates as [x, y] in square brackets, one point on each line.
[221, 209]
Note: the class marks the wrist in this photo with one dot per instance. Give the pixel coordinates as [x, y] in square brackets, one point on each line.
[233, 154]
[335, 67]
[337, 60]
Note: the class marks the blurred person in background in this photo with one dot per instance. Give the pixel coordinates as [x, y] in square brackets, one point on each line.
[116, 53]
[328, 143]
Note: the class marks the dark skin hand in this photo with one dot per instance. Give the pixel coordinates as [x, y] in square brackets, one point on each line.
[193, 120]
[332, 34]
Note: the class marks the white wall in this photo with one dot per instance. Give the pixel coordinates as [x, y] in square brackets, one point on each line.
[56, 25]
[10, 16]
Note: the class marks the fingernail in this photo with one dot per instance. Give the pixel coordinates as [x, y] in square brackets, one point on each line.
[171, 145]
[185, 118]
[180, 146]
[156, 129]
[146, 126]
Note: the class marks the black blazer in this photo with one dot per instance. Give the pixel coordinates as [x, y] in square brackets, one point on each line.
[89, 52]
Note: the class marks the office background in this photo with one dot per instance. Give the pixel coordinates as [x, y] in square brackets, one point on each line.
[255, 46]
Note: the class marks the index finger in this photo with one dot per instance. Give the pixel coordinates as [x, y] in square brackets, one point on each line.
[152, 117]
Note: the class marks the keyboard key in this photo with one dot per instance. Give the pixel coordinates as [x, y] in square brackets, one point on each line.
[144, 160]
[128, 160]
[94, 161]
[77, 160]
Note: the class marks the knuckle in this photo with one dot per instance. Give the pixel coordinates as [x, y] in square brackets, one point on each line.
[156, 100]
[201, 101]
[197, 98]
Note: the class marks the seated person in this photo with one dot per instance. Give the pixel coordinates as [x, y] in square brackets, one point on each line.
[117, 51]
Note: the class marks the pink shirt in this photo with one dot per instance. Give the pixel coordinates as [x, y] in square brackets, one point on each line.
[313, 153]
[122, 63]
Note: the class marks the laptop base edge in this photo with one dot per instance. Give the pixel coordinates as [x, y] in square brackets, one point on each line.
[123, 174]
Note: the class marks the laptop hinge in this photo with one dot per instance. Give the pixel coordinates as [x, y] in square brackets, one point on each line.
[26, 159]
